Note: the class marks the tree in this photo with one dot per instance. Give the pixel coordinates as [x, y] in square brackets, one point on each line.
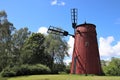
[57, 47]
[113, 67]
[18, 40]
[6, 29]
[33, 50]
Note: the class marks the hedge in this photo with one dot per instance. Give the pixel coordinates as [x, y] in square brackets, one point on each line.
[25, 70]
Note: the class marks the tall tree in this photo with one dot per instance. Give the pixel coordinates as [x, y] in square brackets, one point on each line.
[57, 47]
[6, 29]
[18, 39]
[33, 50]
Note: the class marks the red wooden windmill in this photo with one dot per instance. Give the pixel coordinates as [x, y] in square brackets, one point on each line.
[85, 58]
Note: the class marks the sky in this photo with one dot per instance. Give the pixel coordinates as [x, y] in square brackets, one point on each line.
[38, 15]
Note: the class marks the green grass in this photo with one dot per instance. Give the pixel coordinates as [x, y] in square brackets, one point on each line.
[64, 77]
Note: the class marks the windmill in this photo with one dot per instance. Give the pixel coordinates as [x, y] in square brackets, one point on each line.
[85, 58]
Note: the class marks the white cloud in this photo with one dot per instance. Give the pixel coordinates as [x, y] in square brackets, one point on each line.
[58, 3]
[71, 45]
[42, 30]
[70, 42]
[106, 49]
[54, 2]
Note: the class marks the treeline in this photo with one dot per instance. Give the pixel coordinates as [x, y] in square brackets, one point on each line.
[111, 68]
[21, 47]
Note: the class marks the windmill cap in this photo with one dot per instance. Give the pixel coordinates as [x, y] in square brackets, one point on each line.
[86, 27]
[86, 24]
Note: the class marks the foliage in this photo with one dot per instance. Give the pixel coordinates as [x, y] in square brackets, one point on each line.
[57, 47]
[6, 29]
[18, 39]
[25, 70]
[57, 68]
[19, 47]
[67, 69]
[33, 50]
[113, 68]
[11, 42]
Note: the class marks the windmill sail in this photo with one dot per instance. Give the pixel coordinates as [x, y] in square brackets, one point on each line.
[58, 31]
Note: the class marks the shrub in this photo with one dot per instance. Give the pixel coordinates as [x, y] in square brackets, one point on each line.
[8, 72]
[58, 68]
[25, 70]
[67, 70]
[113, 68]
[39, 69]
[22, 70]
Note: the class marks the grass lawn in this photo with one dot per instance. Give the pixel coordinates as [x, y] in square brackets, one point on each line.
[63, 77]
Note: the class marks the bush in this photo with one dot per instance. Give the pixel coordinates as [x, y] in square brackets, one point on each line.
[58, 68]
[22, 70]
[25, 70]
[67, 70]
[8, 72]
[39, 69]
[113, 68]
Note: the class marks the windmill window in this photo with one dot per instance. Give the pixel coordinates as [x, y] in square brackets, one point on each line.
[86, 44]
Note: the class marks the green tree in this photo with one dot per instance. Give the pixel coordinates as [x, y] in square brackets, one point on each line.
[6, 29]
[33, 50]
[57, 47]
[18, 40]
[113, 68]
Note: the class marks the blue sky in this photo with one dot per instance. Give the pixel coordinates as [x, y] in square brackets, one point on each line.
[34, 14]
